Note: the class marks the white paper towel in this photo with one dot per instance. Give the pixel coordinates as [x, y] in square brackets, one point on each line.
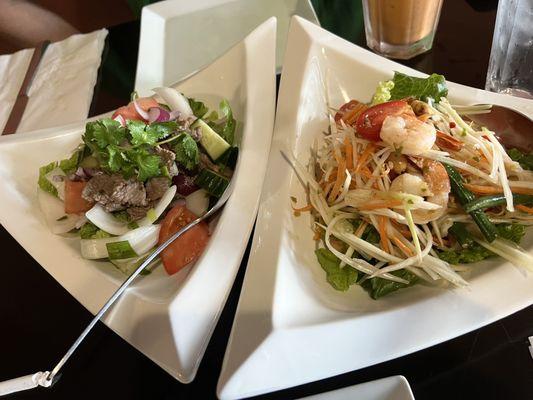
[62, 89]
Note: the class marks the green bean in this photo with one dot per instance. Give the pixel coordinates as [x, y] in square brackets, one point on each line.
[495, 200]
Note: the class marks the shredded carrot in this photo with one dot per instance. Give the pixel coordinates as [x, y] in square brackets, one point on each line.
[365, 171]
[308, 207]
[348, 148]
[405, 250]
[364, 156]
[479, 189]
[382, 229]
[340, 178]
[361, 229]
[424, 117]
[524, 208]
[381, 204]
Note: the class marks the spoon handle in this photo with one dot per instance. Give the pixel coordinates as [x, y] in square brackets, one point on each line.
[23, 383]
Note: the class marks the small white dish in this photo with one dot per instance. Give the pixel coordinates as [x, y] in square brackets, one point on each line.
[291, 326]
[168, 318]
[391, 388]
[178, 37]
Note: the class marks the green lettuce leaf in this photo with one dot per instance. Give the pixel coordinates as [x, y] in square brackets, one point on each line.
[474, 252]
[70, 165]
[382, 93]
[339, 278]
[120, 250]
[379, 287]
[187, 153]
[44, 183]
[91, 231]
[525, 160]
[432, 87]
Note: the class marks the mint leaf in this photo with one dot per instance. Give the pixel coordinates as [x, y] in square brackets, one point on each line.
[199, 109]
[226, 126]
[44, 183]
[339, 278]
[432, 87]
[186, 150]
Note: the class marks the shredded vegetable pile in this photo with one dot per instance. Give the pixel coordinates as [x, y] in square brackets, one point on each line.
[140, 176]
[407, 187]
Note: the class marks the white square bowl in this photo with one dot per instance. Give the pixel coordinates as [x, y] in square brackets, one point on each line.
[168, 318]
[291, 326]
[178, 37]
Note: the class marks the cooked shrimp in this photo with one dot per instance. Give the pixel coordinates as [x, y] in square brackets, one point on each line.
[433, 184]
[408, 134]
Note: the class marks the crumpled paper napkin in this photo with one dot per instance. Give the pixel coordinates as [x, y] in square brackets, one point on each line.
[62, 88]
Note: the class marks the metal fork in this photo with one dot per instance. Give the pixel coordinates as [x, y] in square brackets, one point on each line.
[47, 378]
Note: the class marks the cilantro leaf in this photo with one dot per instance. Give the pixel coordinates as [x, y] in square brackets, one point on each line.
[186, 150]
[44, 183]
[114, 158]
[104, 132]
[434, 87]
[339, 278]
[149, 134]
[199, 109]
[147, 164]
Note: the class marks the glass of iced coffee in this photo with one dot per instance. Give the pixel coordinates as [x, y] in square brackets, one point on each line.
[401, 28]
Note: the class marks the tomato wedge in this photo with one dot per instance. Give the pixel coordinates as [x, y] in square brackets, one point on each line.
[130, 113]
[189, 246]
[74, 202]
[369, 123]
[350, 111]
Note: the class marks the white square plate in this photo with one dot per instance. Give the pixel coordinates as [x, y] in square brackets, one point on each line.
[291, 326]
[180, 36]
[168, 318]
[391, 388]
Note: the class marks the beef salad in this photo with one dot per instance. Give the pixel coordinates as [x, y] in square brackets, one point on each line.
[140, 176]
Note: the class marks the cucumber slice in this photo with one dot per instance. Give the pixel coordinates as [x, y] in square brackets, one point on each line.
[211, 141]
[229, 158]
[211, 182]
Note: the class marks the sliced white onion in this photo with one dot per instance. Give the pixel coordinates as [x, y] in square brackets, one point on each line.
[197, 202]
[54, 213]
[58, 184]
[140, 111]
[106, 221]
[141, 240]
[160, 207]
[175, 100]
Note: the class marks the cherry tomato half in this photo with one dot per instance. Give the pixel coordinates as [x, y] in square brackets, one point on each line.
[369, 123]
[130, 113]
[189, 246]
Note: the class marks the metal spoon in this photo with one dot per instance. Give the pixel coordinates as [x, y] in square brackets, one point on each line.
[513, 128]
[47, 378]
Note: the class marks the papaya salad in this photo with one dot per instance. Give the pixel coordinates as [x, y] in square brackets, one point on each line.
[407, 189]
[140, 176]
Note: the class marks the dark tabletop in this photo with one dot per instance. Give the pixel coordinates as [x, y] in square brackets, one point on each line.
[489, 363]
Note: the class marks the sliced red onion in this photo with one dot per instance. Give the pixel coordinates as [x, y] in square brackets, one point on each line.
[140, 111]
[158, 114]
[120, 119]
[184, 184]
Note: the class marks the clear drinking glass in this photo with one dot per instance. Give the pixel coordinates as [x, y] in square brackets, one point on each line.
[401, 28]
[511, 57]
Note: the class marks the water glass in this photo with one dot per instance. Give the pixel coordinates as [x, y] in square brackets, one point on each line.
[511, 58]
